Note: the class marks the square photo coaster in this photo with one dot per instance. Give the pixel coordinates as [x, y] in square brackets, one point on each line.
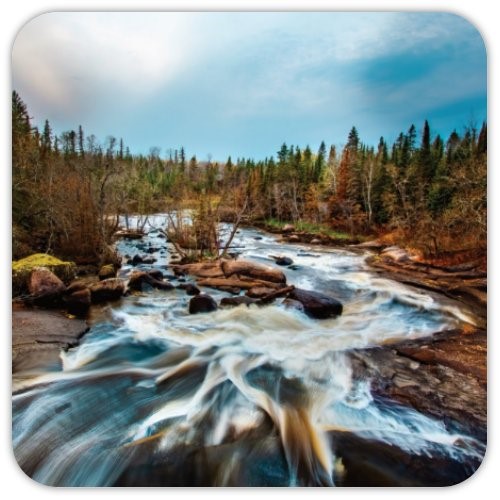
[249, 249]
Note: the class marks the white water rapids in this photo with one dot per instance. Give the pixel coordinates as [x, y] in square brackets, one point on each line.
[241, 396]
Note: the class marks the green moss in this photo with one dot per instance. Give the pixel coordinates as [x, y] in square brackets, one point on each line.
[21, 270]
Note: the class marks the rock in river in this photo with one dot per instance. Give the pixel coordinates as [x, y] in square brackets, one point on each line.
[236, 301]
[110, 289]
[282, 260]
[317, 305]
[202, 303]
[138, 278]
[189, 288]
[252, 270]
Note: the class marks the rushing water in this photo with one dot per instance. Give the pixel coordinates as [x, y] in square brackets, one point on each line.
[242, 396]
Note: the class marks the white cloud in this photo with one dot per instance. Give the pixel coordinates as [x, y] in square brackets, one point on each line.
[70, 59]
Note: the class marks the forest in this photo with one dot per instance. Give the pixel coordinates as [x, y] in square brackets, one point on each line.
[423, 192]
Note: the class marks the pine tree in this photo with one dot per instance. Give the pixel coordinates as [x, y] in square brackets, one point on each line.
[425, 161]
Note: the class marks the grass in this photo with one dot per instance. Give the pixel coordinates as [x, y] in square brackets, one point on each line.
[310, 227]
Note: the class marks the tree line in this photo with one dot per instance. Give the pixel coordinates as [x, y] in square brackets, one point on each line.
[68, 189]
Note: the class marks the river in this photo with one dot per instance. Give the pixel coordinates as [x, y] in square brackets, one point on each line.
[245, 396]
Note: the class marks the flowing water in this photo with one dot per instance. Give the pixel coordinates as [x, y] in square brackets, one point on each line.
[243, 396]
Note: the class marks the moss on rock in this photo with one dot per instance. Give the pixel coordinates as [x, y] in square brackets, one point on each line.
[21, 270]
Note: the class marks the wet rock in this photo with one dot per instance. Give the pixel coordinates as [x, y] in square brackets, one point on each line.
[293, 304]
[139, 278]
[107, 271]
[189, 288]
[142, 259]
[230, 289]
[202, 303]
[156, 274]
[245, 284]
[106, 290]
[78, 302]
[257, 238]
[443, 376]
[258, 292]
[236, 301]
[282, 260]
[316, 241]
[129, 235]
[294, 238]
[200, 269]
[252, 270]
[152, 250]
[45, 287]
[317, 305]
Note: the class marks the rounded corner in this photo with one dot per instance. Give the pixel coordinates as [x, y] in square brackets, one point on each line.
[473, 25]
[26, 23]
[17, 465]
[474, 473]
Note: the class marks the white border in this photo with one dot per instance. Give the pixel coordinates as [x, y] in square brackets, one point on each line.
[482, 13]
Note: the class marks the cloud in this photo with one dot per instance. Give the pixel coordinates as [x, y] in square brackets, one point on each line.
[70, 60]
[157, 77]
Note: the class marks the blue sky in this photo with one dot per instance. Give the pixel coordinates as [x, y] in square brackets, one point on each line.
[241, 84]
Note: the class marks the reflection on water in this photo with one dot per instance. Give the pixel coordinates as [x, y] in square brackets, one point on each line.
[243, 396]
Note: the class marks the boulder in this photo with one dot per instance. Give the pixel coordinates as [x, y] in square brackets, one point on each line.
[316, 241]
[252, 270]
[141, 259]
[293, 304]
[202, 303]
[236, 301]
[245, 284]
[288, 228]
[21, 270]
[189, 288]
[138, 278]
[317, 305]
[157, 274]
[81, 284]
[257, 292]
[294, 238]
[200, 269]
[45, 287]
[107, 271]
[78, 302]
[282, 260]
[110, 289]
[396, 254]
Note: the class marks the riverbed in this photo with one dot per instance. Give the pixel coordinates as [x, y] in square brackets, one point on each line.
[243, 396]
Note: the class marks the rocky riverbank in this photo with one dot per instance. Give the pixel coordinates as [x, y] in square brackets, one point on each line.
[443, 375]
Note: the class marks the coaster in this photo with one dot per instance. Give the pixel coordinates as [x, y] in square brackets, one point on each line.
[249, 249]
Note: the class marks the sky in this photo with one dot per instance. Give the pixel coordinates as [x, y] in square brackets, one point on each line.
[243, 83]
